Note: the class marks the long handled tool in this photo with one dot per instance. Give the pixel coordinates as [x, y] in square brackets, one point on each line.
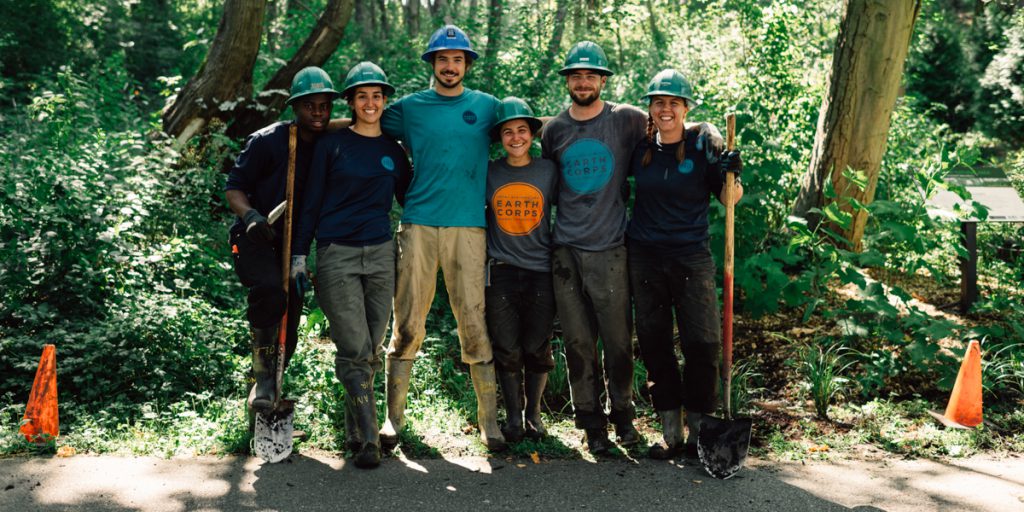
[722, 444]
[272, 439]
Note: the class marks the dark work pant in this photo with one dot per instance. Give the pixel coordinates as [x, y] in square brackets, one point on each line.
[258, 267]
[592, 294]
[686, 286]
[520, 308]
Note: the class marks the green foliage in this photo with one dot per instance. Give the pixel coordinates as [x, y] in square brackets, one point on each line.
[822, 370]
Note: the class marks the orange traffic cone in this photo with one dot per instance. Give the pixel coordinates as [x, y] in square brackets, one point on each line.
[964, 408]
[41, 422]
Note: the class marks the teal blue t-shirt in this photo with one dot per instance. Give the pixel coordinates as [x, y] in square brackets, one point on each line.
[449, 142]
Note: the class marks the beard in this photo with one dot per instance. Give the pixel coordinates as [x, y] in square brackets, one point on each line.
[441, 80]
[585, 99]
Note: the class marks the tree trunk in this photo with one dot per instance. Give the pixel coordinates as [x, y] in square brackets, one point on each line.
[493, 42]
[412, 17]
[554, 49]
[867, 67]
[318, 47]
[226, 74]
[657, 37]
[383, 6]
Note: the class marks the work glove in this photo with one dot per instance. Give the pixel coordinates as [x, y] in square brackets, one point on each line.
[299, 275]
[731, 162]
[257, 228]
[710, 141]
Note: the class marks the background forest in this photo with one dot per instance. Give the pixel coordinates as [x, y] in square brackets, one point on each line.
[113, 234]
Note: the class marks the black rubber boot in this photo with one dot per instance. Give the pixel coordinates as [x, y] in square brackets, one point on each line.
[360, 387]
[626, 434]
[512, 392]
[398, 372]
[264, 364]
[353, 437]
[693, 421]
[535, 383]
[672, 432]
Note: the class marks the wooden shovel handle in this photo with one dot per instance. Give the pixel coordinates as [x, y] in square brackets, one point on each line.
[727, 278]
[286, 256]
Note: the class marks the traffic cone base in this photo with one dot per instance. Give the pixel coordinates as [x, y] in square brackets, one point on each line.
[41, 423]
[965, 408]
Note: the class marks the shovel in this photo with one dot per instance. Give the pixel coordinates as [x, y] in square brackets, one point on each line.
[722, 443]
[272, 436]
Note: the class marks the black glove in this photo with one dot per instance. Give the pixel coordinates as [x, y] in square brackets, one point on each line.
[731, 162]
[257, 228]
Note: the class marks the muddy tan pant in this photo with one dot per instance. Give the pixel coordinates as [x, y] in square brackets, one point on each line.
[460, 253]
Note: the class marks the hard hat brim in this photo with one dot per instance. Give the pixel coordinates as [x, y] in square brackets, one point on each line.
[533, 122]
[386, 88]
[334, 95]
[601, 70]
[429, 56]
[690, 102]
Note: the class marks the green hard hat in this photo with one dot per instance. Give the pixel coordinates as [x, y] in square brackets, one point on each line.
[366, 73]
[311, 80]
[512, 108]
[669, 82]
[586, 55]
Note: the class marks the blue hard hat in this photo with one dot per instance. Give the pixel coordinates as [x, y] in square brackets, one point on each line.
[449, 37]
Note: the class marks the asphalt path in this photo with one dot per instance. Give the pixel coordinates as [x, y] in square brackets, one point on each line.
[321, 482]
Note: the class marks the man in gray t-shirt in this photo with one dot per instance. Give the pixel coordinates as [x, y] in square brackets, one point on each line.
[591, 142]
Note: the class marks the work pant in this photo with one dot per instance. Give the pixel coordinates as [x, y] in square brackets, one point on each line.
[258, 266]
[460, 253]
[520, 318]
[685, 285]
[355, 286]
[592, 294]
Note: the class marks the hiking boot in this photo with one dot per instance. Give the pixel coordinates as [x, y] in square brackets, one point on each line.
[535, 383]
[398, 371]
[511, 391]
[597, 440]
[672, 432]
[487, 406]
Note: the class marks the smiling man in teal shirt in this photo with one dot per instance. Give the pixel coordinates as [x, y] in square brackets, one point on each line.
[445, 128]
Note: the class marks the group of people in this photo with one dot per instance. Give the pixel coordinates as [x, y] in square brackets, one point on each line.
[507, 264]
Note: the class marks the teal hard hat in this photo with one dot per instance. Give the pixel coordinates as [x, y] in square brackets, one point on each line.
[364, 74]
[669, 82]
[512, 108]
[311, 80]
[586, 55]
[449, 37]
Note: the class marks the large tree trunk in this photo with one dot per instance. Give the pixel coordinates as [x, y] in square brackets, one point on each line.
[412, 17]
[554, 49]
[319, 45]
[657, 37]
[872, 45]
[226, 75]
[494, 19]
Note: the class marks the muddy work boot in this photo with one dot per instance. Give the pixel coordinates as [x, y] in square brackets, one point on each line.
[535, 383]
[626, 434]
[693, 422]
[360, 387]
[264, 365]
[353, 437]
[512, 392]
[398, 372]
[597, 440]
[672, 432]
[487, 406]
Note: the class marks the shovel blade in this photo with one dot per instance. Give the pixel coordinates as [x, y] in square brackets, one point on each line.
[722, 445]
[272, 438]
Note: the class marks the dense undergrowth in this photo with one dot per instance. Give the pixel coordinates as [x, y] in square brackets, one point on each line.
[113, 244]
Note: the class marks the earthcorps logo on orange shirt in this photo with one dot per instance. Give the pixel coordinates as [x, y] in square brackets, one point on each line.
[518, 208]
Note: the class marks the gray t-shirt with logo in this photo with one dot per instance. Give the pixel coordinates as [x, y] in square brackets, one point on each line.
[519, 213]
[593, 159]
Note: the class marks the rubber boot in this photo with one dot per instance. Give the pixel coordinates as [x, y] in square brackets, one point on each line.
[264, 364]
[535, 383]
[353, 437]
[487, 406]
[360, 387]
[512, 392]
[672, 432]
[693, 421]
[398, 371]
